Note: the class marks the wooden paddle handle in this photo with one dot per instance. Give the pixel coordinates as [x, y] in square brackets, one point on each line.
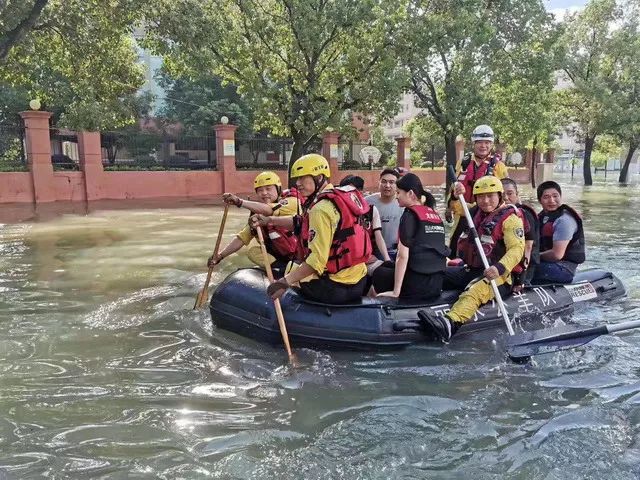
[216, 249]
[199, 298]
[276, 302]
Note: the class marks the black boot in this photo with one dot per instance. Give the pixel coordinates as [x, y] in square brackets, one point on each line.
[442, 328]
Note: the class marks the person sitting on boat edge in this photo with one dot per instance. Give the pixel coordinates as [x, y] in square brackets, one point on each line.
[281, 244]
[474, 165]
[390, 211]
[531, 235]
[373, 226]
[335, 244]
[418, 271]
[501, 232]
[562, 242]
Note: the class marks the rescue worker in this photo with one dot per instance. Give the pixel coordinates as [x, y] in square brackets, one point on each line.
[501, 232]
[374, 226]
[418, 272]
[474, 165]
[390, 211]
[334, 240]
[562, 243]
[531, 235]
[281, 244]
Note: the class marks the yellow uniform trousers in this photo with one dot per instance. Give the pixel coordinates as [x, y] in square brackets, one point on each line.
[473, 298]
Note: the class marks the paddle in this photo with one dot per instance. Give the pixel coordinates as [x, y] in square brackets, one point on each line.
[562, 338]
[276, 302]
[203, 295]
[474, 235]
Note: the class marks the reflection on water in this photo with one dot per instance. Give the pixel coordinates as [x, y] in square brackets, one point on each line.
[106, 372]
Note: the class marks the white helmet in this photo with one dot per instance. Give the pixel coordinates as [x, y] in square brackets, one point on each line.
[482, 132]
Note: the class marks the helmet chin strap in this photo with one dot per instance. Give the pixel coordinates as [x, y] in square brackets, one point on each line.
[319, 181]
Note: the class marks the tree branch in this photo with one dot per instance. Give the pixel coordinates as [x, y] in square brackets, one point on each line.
[11, 38]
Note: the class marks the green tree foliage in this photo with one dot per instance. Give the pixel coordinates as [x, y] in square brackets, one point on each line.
[464, 55]
[76, 55]
[625, 84]
[590, 61]
[302, 65]
[426, 136]
[387, 147]
[198, 103]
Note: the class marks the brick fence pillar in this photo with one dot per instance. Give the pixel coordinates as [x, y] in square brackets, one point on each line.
[403, 152]
[90, 153]
[38, 144]
[330, 152]
[226, 154]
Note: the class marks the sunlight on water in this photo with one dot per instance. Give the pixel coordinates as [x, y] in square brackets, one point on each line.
[107, 372]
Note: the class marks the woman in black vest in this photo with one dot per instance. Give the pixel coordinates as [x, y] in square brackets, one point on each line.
[418, 271]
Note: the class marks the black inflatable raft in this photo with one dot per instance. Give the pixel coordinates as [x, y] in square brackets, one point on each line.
[240, 304]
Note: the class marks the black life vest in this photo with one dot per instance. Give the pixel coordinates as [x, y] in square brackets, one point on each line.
[351, 242]
[576, 250]
[428, 252]
[472, 172]
[533, 228]
[490, 232]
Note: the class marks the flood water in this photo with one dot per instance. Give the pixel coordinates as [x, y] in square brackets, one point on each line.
[107, 372]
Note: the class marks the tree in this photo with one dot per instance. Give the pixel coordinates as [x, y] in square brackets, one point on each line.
[302, 65]
[625, 85]
[198, 103]
[76, 55]
[425, 134]
[590, 60]
[386, 146]
[456, 49]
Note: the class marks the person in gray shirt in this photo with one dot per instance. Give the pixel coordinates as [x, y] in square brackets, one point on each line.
[390, 210]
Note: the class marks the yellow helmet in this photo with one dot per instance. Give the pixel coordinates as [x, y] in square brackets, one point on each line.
[311, 164]
[487, 184]
[266, 178]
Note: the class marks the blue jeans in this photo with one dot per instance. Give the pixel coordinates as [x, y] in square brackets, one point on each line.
[551, 272]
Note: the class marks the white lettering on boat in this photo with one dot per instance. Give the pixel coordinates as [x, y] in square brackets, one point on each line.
[544, 296]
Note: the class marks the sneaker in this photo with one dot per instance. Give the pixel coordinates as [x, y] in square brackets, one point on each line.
[442, 328]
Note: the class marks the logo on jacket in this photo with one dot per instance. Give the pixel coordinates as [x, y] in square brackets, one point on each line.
[356, 200]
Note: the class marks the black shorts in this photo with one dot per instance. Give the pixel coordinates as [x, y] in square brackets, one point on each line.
[415, 286]
[325, 290]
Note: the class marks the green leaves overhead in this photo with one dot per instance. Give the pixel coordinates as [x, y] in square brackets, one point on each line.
[302, 65]
[78, 55]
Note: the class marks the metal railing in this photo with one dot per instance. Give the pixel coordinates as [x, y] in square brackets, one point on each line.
[255, 153]
[12, 150]
[64, 150]
[157, 151]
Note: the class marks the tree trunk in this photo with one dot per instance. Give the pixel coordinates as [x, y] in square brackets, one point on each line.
[297, 150]
[534, 163]
[450, 146]
[627, 161]
[586, 166]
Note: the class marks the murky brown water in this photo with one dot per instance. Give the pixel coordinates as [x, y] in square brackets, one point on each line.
[106, 372]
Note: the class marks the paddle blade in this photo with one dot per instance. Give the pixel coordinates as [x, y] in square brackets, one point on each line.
[549, 340]
[201, 299]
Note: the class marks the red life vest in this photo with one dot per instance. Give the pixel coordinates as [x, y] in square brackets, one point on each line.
[576, 251]
[428, 252]
[351, 242]
[489, 228]
[280, 242]
[472, 172]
